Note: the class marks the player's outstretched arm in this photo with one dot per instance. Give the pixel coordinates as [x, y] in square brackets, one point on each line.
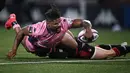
[19, 37]
[83, 23]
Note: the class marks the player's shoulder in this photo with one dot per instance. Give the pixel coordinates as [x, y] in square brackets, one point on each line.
[63, 19]
[66, 20]
[40, 23]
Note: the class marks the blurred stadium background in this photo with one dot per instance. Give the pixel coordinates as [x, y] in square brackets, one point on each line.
[106, 13]
[109, 17]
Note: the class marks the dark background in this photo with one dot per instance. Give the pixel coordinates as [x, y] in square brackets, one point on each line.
[102, 13]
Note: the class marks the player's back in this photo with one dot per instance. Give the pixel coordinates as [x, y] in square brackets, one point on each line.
[45, 38]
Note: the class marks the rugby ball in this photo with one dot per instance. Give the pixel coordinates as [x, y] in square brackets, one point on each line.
[84, 39]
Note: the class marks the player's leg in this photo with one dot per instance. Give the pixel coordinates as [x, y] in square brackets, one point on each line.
[69, 41]
[12, 23]
[69, 32]
[90, 52]
[101, 53]
[68, 45]
[119, 49]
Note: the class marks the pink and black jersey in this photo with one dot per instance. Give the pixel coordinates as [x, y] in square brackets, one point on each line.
[41, 37]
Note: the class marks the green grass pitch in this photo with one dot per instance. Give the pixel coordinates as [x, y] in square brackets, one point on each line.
[28, 63]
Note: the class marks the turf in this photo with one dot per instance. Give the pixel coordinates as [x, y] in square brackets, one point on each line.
[43, 65]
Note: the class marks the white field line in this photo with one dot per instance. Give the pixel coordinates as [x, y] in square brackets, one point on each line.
[64, 61]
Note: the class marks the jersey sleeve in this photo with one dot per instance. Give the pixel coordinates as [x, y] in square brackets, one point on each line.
[33, 28]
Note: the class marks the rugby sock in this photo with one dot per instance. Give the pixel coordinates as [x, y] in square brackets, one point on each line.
[15, 24]
[121, 50]
[128, 48]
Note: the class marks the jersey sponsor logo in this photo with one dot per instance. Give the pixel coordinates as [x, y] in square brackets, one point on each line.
[31, 29]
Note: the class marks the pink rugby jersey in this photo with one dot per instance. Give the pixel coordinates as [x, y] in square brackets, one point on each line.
[42, 38]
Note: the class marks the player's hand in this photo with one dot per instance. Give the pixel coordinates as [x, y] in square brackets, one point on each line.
[11, 54]
[87, 24]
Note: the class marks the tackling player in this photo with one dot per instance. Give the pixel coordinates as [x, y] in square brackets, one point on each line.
[87, 51]
[101, 51]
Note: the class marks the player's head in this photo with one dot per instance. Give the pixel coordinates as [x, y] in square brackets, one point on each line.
[52, 17]
[52, 13]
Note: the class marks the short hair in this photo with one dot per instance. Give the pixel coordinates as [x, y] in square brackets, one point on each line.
[52, 13]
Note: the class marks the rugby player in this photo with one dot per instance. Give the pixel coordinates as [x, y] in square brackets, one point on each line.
[42, 37]
[86, 51]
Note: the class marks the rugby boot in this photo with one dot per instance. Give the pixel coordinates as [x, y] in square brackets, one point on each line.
[11, 20]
